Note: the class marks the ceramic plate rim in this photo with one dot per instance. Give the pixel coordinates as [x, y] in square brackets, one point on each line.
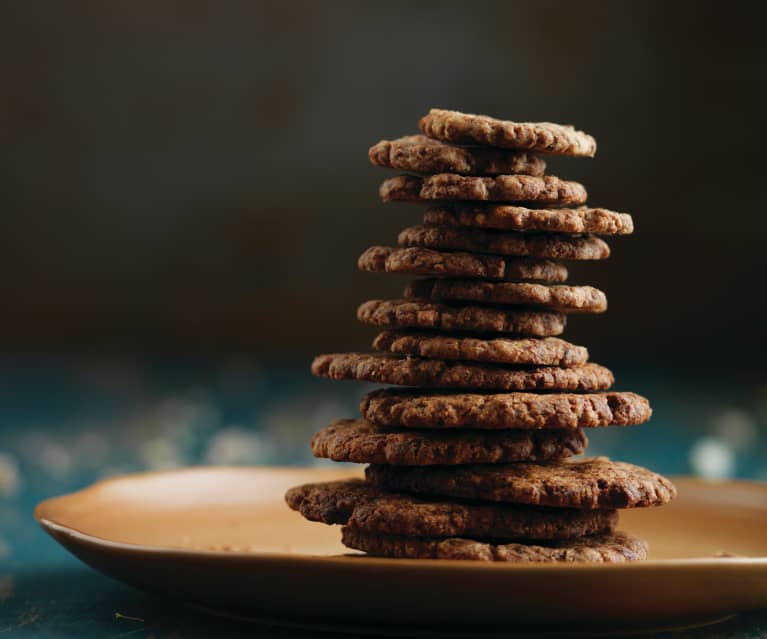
[50, 526]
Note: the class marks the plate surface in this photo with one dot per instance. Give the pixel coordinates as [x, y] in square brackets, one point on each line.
[224, 539]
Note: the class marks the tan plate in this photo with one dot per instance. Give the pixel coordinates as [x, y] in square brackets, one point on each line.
[223, 538]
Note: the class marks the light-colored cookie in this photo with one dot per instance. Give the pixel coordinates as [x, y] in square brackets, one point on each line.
[543, 137]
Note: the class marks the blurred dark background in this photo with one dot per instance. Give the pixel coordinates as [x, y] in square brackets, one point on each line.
[185, 177]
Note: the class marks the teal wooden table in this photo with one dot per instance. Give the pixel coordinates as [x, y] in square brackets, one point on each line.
[65, 424]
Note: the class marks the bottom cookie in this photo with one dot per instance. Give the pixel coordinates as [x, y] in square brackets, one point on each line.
[611, 548]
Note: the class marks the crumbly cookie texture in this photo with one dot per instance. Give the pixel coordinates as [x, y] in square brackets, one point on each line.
[422, 409]
[566, 299]
[365, 507]
[422, 261]
[421, 154]
[610, 548]
[586, 483]
[528, 351]
[501, 188]
[543, 137]
[542, 245]
[518, 218]
[422, 314]
[360, 441]
[413, 371]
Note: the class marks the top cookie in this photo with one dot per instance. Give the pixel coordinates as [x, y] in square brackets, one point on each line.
[544, 137]
[501, 188]
[419, 154]
[505, 217]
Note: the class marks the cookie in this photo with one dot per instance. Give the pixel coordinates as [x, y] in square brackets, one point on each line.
[359, 441]
[501, 188]
[518, 218]
[565, 299]
[548, 351]
[587, 483]
[366, 508]
[542, 245]
[447, 317]
[420, 154]
[421, 261]
[413, 371]
[419, 409]
[610, 548]
[543, 137]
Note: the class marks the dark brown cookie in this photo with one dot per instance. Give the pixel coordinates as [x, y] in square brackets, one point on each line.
[518, 218]
[356, 440]
[447, 317]
[364, 507]
[420, 154]
[501, 188]
[413, 371]
[610, 548]
[532, 351]
[565, 299]
[419, 409]
[543, 137]
[586, 483]
[420, 261]
[541, 245]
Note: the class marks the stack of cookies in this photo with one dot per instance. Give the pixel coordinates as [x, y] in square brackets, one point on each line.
[472, 459]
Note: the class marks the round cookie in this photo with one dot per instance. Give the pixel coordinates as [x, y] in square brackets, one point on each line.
[366, 508]
[543, 137]
[541, 245]
[423, 314]
[501, 188]
[421, 261]
[518, 218]
[420, 154]
[359, 441]
[586, 483]
[419, 409]
[614, 547]
[413, 371]
[528, 351]
[565, 299]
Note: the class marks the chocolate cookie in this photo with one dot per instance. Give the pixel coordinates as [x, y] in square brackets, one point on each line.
[413, 371]
[610, 548]
[446, 317]
[566, 299]
[548, 351]
[419, 409]
[544, 137]
[421, 261]
[558, 247]
[501, 188]
[356, 440]
[420, 154]
[366, 508]
[587, 483]
[518, 218]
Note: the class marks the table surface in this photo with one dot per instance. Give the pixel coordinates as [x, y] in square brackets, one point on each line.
[66, 424]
